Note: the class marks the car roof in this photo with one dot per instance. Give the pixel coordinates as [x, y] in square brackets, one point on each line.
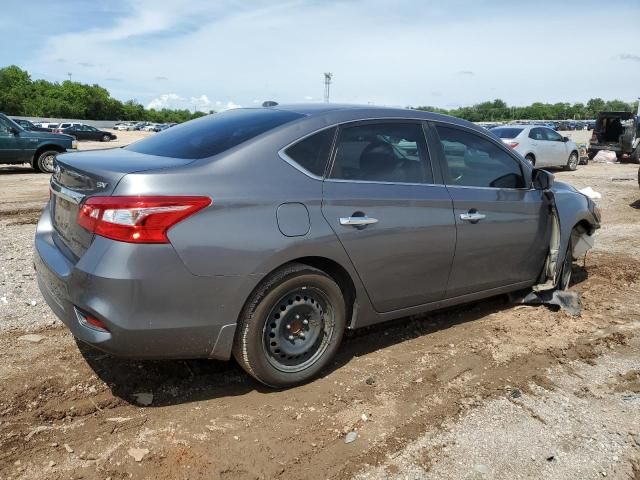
[354, 112]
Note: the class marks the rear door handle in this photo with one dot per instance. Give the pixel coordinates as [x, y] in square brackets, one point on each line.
[472, 217]
[358, 221]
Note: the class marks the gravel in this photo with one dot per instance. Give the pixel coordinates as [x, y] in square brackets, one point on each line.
[562, 433]
[21, 304]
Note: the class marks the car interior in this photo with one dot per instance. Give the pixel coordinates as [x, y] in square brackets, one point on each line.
[391, 154]
[475, 162]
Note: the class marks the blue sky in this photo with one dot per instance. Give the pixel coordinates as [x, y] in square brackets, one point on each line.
[224, 53]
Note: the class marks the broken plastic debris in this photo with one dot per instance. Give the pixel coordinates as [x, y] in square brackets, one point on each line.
[591, 193]
[568, 301]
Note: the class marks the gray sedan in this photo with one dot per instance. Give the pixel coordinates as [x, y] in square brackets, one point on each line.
[265, 233]
[541, 146]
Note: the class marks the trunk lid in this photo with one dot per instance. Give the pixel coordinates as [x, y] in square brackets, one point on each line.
[84, 174]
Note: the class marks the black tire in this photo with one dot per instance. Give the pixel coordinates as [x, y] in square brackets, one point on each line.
[531, 159]
[106, 138]
[635, 156]
[290, 327]
[591, 155]
[45, 161]
[572, 162]
[567, 266]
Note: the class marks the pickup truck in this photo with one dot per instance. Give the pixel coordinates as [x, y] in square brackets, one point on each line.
[39, 149]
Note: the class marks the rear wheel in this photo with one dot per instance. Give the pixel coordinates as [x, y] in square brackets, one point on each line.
[291, 326]
[45, 161]
[106, 138]
[572, 163]
[635, 156]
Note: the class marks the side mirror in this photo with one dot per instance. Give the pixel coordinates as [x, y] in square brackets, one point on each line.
[565, 139]
[542, 180]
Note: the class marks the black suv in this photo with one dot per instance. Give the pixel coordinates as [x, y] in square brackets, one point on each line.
[618, 132]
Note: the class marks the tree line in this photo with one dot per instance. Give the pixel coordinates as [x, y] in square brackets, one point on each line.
[498, 110]
[22, 96]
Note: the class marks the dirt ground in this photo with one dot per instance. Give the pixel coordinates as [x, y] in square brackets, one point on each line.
[488, 390]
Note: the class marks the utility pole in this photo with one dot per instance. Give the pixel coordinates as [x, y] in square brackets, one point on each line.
[327, 85]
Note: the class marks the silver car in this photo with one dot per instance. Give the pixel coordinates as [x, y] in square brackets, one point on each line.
[541, 146]
[264, 233]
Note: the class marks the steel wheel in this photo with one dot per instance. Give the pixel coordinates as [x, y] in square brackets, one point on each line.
[298, 329]
[106, 138]
[291, 326]
[46, 161]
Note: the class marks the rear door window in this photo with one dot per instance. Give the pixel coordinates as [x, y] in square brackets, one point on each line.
[382, 152]
[213, 134]
[312, 153]
[473, 161]
[552, 135]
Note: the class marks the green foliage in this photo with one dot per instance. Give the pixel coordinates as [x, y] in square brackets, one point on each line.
[19, 95]
[498, 110]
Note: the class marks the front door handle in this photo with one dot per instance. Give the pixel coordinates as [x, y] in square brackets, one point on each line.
[472, 217]
[357, 221]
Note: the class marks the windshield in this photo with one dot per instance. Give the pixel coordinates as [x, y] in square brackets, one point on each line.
[506, 132]
[213, 134]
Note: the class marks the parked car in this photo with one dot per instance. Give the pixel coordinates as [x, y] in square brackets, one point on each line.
[541, 146]
[87, 132]
[39, 149]
[66, 125]
[618, 132]
[27, 125]
[49, 125]
[266, 232]
[122, 126]
[151, 127]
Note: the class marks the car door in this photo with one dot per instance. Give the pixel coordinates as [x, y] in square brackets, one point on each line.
[557, 147]
[393, 218]
[539, 147]
[502, 223]
[91, 132]
[10, 144]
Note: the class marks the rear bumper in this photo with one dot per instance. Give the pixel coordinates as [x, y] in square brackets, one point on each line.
[151, 304]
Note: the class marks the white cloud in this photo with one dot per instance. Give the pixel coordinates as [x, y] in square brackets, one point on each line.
[200, 103]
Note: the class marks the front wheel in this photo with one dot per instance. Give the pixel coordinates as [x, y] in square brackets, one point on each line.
[572, 163]
[45, 161]
[291, 326]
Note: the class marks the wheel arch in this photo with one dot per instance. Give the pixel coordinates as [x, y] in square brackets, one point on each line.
[331, 267]
[43, 148]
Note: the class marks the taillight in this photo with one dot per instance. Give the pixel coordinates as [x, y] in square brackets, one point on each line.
[143, 219]
[513, 144]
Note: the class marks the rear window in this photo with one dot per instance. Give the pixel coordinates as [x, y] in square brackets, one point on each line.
[213, 134]
[312, 152]
[506, 132]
